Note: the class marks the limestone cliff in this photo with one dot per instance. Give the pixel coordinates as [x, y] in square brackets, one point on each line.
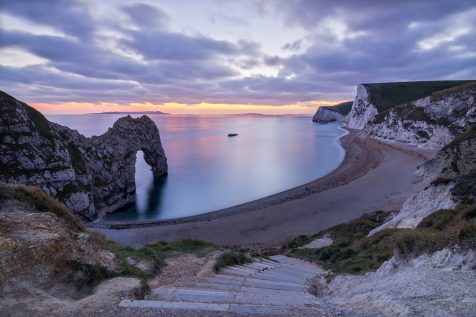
[452, 180]
[91, 176]
[337, 113]
[429, 122]
[362, 109]
[375, 98]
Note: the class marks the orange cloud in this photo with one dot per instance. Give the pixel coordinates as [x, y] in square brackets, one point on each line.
[308, 107]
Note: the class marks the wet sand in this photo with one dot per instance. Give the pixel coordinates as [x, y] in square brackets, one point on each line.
[373, 176]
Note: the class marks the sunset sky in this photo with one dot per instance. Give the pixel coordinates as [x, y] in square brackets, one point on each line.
[223, 56]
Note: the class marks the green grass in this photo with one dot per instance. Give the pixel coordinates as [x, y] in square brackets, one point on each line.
[352, 252]
[343, 108]
[87, 275]
[388, 95]
[40, 201]
[463, 137]
[41, 124]
[155, 254]
[465, 187]
[229, 258]
[77, 160]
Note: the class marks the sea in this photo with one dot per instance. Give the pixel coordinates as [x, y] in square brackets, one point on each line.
[209, 170]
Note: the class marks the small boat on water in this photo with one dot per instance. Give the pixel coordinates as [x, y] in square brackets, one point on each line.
[232, 134]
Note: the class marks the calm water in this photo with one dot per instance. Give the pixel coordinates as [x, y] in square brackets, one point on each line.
[210, 171]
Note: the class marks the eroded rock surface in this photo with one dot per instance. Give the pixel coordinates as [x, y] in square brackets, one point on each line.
[452, 180]
[91, 176]
[440, 284]
[325, 114]
[430, 122]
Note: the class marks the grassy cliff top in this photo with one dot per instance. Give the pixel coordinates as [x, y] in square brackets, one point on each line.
[343, 108]
[388, 95]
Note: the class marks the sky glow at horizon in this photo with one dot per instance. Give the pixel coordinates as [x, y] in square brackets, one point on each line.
[212, 56]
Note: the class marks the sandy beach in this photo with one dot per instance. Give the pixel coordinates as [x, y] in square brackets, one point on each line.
[373, 176]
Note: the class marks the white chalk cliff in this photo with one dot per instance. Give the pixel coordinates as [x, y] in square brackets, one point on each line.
[362, 109]
[452, 177]
[327, 114]
[430, 122]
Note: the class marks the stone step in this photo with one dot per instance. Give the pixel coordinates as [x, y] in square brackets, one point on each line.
[227, 277]
[296, 277]
[263, 286]
[279, 278]
[274, 285]
[287, 261]
[244, 296]
[258, 266]
[218, 287]
[192, 295]
[235, 272]
[232, 308]
[269, 262]
[255, 283]
[274, 298]
[243, 269]
[234, 289]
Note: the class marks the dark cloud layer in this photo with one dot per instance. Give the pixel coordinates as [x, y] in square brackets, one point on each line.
[346, 42]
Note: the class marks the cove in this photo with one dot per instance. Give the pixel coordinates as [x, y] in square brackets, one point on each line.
[209, 171]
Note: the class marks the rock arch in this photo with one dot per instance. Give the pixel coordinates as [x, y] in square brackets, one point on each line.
[111, 159]
[91, 176]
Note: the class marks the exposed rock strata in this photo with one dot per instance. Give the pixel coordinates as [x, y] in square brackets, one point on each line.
[430, 122]
[452, 180]
[91, 176]
[362, 109]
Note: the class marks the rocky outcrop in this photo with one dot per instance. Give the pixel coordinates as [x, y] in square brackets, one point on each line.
[375, 98]
[337, 113]
[452, 180]
[438, 284]
[362, 109]
[91, 176]
[430, 122]
[455, 159]
[325, 114]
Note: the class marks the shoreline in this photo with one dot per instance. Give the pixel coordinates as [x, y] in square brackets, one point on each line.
[325, 182]
[373, 176]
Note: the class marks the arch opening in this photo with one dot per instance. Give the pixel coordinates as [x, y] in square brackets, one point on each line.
[144, 181]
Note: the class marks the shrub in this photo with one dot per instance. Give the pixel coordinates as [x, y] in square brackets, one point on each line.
[467, 235]
[230, 258]
[40, 201]
[352, 252]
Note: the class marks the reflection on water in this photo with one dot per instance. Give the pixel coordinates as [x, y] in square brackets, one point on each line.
[210, 171]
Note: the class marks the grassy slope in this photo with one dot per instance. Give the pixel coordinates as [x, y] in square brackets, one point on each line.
[388, 95]
[355, 253]
[154, 254]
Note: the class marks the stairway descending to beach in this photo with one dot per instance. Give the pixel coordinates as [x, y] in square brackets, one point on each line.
[266, 286]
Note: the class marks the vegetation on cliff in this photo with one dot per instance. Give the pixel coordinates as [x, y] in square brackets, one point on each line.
[352, 252]
[42, 241]
[343, 108]
[388, 95]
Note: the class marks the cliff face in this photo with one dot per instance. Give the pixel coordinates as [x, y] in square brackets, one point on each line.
[324, 114]
[91, 176]
[362, 109]
[430, 122]
[452, 180]
[337, 113]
